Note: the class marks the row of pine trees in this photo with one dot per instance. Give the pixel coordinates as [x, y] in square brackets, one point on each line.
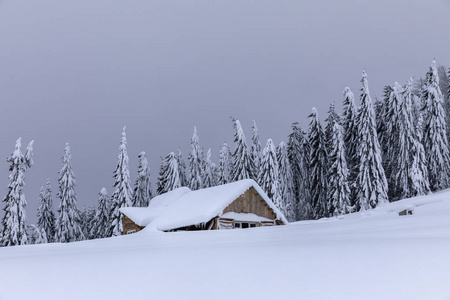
[365, 157]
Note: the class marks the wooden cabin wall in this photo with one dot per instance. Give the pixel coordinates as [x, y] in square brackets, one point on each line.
[129, 225]
[251, 202]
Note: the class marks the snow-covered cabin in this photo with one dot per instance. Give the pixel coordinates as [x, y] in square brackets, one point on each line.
[240, 204]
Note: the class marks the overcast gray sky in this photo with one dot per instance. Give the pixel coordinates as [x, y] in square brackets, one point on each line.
[78, 71]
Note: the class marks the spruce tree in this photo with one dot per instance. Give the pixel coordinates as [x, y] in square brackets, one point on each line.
[68, 228]
[243, 166]
[14, 228]
[224, 168]
[348, 122]
[318, 166]
[122, 195]
[142, 189]
[182, 169]
[46, 216]
[101, 225]
[419, 170]
[255, 149]
[196, 163]
[285, 183]
[298, 153]
[169, 176]
[338, 188]
[268, 174]
[209, 173]
[435, 137]
[371, 182]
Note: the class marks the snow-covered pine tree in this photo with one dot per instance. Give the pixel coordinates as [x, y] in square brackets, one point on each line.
[196, 163]
[348, 122]
[182, 169]
[371, 181]
[268, 174]
[338, 188]
[298, 153]
[390, 141]
[285, 184]
[68, 228]
[122, 196]
[101, 225]
[242, 162]
[318, 166]
[46, 216]
[209, 176]
[14, 221]
[224, 168]
[142, 189]
[255, 149]
[435, 137]
[409, 173]
[444, 85]
[333, 118]
[419, 169]
[169, 175]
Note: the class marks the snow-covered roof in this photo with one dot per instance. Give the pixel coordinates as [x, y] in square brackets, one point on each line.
[183, 207]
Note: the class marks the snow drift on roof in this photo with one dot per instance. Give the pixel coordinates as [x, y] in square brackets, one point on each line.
[194, 207]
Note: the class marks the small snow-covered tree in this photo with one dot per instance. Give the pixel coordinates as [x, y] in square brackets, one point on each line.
[255, 149]
[68, 228]
[209, 175]
[196, 163]
[87, 220]
[435, 137]
[46, 216]
[14, 221]
[182, 169]
[318, 166]
[142, 189]
[268, 174]
[36, 235]
[371, 182]
[169, 176]
[122, 195]
[243, 166]
[101, 225]
[285, 184]
[224, 168]
[298, 153]
[338, 188]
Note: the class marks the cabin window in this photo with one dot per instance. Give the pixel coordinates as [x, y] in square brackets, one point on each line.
[252, 225]
[131, 231]
[237, 225]
[244, 225]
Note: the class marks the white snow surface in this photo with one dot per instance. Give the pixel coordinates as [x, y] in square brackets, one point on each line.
[375, 254]
[244, 217]
[185, 208]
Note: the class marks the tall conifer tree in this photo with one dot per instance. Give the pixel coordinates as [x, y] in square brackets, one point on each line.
[209, 174]
[255, 150]
[142, 188]
[101, 224]
[169, 175]
[196, 163]
[243, 166]
[68, 228]
[268, 174]
[371, 182]
[122, 196]
[318, 166]
[224, 168]
[14, 221]
[182, 169]
[435, 138]
[285, 184]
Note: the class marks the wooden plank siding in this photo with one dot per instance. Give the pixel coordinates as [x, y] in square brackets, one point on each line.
[251, 202]
[129, 225]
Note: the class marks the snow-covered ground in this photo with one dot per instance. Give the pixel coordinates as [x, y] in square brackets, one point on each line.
[372, 255]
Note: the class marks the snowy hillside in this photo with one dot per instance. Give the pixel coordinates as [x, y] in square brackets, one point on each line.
[371, 255]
